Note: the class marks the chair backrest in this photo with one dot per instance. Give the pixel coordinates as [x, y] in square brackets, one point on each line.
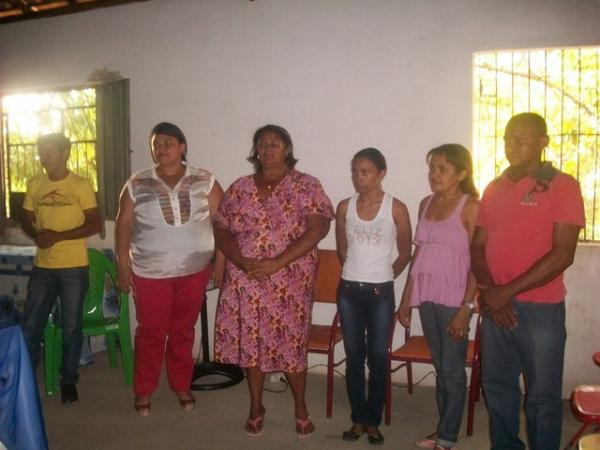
[329, 271]
[102, 278]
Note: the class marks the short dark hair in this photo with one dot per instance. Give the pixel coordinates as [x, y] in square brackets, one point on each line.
[283, 134]
[172, 130]
[534, 119]
[58, 140]
[373, 155]
[460, 158]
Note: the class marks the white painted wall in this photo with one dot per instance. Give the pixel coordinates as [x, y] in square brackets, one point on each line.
[340, 75]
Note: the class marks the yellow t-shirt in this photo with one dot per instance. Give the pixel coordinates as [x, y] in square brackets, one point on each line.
[59, 206]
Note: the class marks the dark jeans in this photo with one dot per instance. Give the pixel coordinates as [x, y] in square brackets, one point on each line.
[535, 347]
[45, 285]
[448, 356]
[366, 308]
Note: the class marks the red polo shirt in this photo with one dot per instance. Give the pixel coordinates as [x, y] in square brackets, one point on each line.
[518, 219]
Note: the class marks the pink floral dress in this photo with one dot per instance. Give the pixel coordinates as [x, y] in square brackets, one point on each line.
[265, 324]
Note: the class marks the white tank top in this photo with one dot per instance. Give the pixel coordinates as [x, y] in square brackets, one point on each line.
[370, 244]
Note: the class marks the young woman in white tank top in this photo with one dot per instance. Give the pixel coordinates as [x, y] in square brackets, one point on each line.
[368, 227]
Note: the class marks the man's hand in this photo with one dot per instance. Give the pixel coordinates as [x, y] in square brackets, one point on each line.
[505, 317]
[494, 298]
[46, 238]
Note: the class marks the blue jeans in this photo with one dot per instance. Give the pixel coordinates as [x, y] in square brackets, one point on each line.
[535, 347]
[448, 356]
[366, 307]
[45, 285]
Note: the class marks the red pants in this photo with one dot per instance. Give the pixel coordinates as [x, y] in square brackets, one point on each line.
[166, 310]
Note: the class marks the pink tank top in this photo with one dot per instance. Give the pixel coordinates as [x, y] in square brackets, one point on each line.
[440, 270]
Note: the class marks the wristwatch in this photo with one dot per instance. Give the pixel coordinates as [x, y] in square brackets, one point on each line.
[471, 305]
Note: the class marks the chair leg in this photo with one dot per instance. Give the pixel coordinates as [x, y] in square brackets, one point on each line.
[575, 438]
[329, 384]
[409, 378]
[474, 392]
[112, 350]
[50, 359]
[471, 409]
[126, 356]
[58, 351]
[476, 383]
[388, 394]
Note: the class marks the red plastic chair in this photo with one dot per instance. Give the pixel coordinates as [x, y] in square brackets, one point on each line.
[323, 338]
[415, 350]
[585, 403]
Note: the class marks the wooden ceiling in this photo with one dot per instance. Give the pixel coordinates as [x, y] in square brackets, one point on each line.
[17, 10]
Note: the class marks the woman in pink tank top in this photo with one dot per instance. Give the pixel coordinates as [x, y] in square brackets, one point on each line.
[440, 282]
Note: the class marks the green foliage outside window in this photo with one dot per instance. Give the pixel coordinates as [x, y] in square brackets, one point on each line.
[28, 116]
[560, 84]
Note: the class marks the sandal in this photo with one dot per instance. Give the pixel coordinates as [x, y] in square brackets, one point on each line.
[254, 427]
[188, 402]
[142, 408]
[375, 439]
[352, 435]
[427, 442]
[303, 427]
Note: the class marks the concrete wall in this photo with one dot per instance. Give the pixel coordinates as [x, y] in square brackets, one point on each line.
[340, 75]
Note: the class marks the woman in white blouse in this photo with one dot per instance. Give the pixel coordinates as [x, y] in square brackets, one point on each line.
[164, 246]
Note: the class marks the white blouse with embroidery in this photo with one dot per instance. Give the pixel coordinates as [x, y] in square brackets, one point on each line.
[172, 233]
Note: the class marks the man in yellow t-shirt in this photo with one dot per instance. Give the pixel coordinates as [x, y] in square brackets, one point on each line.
[59, 212]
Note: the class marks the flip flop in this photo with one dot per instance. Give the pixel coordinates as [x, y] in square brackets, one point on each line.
[427, 442]
[254, 427]
[302, 425]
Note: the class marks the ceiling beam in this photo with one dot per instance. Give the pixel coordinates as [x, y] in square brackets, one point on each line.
[29, 11]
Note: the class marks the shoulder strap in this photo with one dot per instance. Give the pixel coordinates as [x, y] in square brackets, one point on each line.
[351, 210]
[460, 205]
[429, 199]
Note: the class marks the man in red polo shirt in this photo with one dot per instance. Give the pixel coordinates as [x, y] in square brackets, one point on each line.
[526, 236]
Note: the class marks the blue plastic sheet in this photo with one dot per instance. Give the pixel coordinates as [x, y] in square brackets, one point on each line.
[21, 420]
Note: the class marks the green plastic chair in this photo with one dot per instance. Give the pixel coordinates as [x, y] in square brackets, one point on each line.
[94, 324]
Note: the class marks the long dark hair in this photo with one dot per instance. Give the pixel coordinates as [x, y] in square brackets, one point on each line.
[460, 158]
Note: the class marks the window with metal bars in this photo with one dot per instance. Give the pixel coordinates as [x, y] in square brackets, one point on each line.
[25, 117]
[561, 84]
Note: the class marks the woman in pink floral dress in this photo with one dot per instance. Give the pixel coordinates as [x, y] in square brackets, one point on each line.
[268, 226]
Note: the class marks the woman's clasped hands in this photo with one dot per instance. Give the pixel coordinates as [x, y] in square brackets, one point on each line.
[260, 269]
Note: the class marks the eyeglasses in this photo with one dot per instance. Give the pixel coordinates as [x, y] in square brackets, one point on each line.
[275, 145]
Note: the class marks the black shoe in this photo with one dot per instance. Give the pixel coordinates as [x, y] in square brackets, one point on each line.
[351, 435]
[376, 439]
[68, 394]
